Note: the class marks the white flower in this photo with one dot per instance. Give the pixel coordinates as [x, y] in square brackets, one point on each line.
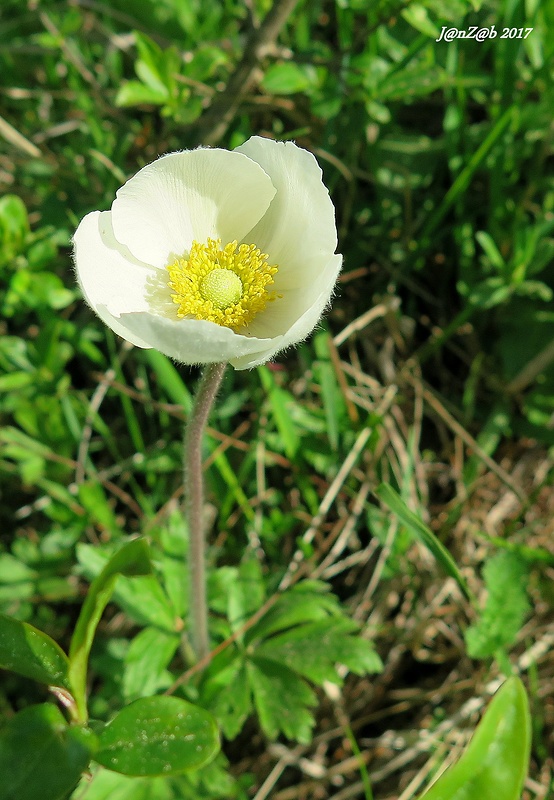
[211, 255]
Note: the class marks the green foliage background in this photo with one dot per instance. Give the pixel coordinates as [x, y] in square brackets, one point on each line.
[439, 158]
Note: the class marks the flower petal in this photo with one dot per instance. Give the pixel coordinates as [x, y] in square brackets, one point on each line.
[193, 341]
[299, 233]
[299, 226]
[187, 196]
[111, 279]
[299, 329]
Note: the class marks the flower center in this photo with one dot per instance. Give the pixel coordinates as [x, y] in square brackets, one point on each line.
[222, 285]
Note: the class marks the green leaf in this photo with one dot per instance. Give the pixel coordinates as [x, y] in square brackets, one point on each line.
[315, 649]
[333, 401]
[246, 594]
[211, 782]
[506, 607]
[14, 226]
[94, 500]
[141, 597]
[286, 78]
[282, 700]
[422, 533]
[147, 658]
[158, 736]
[280, 400]
[494, 764]
[490, 292]
[131, 559]
[228, 696]
[169, 379]
[41, 756]
[308, 601]
[32, 653]
[491, 250]
[135, 93]
[417, 16]
[106, 785]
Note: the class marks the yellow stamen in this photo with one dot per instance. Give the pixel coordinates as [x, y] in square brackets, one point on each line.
[222, 285]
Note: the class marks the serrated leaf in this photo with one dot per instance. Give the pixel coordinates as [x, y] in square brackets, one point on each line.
[228, 696]
[282, 700]
[146, 661]
[41, 756]
[505, 609]
[314, 650]
[246, 594]
[32, 653]
[494, 764]
[158, 736]
[308, 601]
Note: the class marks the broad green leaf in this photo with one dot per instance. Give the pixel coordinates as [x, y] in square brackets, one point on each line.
[41, 756]
[211, 782]
[106, 785]
[135, 93]
[314, 650]
[494, 764]
[147, 658]
[131, 559]
[505, 609]
[32, 653]
[151, 64]
[141, 597]
[286, 78]
[282, 700]
[158, 736]
[12, 570]
[422, 533]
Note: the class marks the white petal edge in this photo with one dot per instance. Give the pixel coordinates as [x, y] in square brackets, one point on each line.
[300, 222]
[112, 281]
[192, 341]
[190, 196]
[301, 328]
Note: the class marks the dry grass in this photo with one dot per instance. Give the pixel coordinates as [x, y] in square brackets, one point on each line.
[419, 713]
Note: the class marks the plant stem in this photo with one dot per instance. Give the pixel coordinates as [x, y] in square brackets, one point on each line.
[194, 495]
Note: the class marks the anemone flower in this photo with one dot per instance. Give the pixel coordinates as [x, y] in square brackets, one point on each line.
[213, 256]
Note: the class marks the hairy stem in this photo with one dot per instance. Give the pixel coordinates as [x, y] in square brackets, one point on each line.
[194, 495]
